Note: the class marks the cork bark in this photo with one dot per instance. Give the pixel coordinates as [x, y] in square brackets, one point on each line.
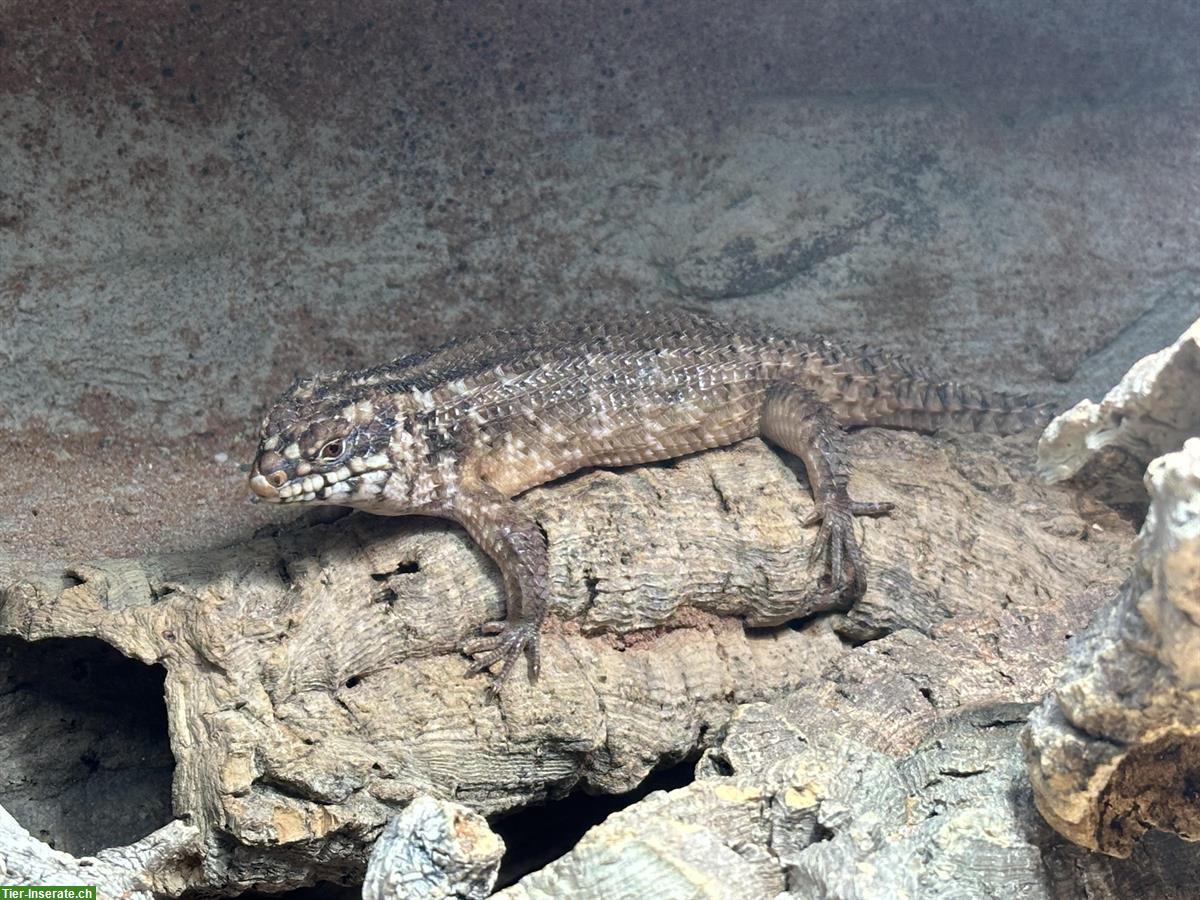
[794, 804]
[1103, 448]
[1115, 749]
[163, 863]
[313, 688]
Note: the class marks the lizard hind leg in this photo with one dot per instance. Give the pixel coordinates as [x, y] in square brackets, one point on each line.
[796, 420]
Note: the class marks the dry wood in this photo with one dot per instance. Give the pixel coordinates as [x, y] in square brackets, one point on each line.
[313, 687]
[1115, 749]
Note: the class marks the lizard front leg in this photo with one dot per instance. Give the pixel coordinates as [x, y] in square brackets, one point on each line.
[518, 547]
[796, 420]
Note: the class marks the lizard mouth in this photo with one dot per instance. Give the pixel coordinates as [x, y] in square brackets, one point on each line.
[359, 481]
[329, 486]
[274, 478]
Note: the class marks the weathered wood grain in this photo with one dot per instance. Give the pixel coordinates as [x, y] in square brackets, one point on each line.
[313, 686]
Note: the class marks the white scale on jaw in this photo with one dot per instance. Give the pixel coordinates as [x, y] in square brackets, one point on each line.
[306, 488]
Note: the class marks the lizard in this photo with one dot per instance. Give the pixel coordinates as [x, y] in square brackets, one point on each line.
[458, 431]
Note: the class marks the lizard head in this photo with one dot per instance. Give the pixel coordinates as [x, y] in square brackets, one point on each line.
[324, 441]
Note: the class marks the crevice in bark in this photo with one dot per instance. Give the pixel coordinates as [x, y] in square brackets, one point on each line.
[85, 758]
[537, 835]
[405, 567]
[322, 890]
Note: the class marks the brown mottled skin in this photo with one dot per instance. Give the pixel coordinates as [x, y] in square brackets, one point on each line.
[459, 431]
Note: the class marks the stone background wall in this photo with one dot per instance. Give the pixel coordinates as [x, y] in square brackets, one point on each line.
[200, 200]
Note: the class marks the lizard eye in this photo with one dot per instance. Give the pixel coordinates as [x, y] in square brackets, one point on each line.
[331, 450]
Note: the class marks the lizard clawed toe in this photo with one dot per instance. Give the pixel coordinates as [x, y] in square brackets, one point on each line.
[857, 508]
[503, 642]
[836, 543]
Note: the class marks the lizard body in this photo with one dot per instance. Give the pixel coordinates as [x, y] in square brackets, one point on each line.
[457, 432]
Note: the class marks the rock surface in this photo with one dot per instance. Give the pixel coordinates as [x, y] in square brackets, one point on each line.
[233, 193]
[1115, 749]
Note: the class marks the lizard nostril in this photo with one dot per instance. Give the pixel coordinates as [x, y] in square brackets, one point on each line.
[278, 478]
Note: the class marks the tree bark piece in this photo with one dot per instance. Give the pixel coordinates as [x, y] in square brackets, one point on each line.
[707, 840]
[793, 802]
[162, 863]
[1115, 749]
[433, 850]
[313, 687]
[1105, 447]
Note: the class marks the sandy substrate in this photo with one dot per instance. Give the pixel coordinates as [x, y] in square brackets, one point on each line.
[101, 497]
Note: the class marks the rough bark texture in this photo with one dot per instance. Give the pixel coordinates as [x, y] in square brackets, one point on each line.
[794, 802]
[1115, 749]
[160, 864]
[433, 850]
[313, 688]
[1105, 447]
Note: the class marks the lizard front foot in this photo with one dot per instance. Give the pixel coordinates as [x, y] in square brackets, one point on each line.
[504, 641]
[836, 543]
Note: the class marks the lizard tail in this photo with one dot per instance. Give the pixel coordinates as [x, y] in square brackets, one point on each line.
[919, 405]
[882, 390]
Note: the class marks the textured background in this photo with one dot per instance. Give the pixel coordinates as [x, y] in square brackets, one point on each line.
[200, 200]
